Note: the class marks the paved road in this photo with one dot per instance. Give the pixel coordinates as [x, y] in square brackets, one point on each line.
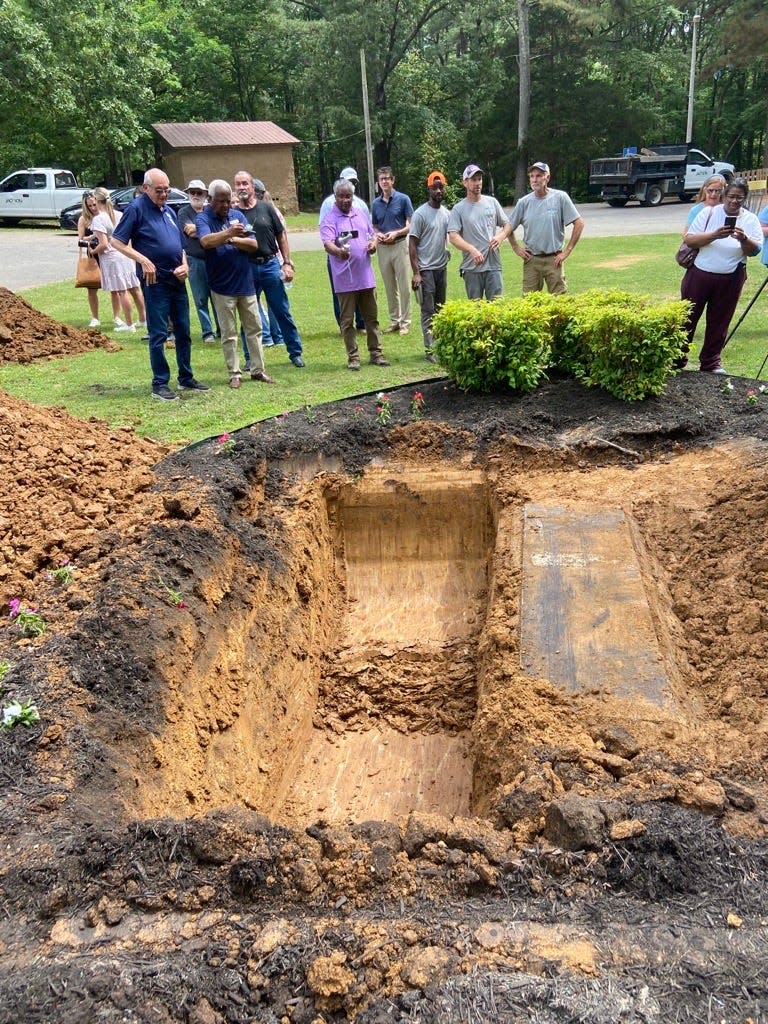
[43, 254]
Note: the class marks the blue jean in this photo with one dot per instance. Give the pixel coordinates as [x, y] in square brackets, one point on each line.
[267, 279]
[167, 299]
[201, 293]
[270, 332]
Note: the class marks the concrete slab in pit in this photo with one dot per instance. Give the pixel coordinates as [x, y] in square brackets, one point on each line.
[585, 619]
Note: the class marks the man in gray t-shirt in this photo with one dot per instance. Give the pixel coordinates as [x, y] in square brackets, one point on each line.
[429, 256]
[477, 226]
[544, 215]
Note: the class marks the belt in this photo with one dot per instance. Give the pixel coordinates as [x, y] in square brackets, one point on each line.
[262, 259]
[541, 255]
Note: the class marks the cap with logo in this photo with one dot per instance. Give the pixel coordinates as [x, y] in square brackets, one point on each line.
[197, 186]
[349, 174]
[470, 170]
[539, 166]
[258, 185]
[435, 177]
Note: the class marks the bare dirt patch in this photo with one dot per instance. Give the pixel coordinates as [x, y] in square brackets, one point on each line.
[295, 761]
[27, 334]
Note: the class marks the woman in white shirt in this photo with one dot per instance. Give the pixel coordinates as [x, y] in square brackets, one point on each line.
[118, 273]
[725, 236]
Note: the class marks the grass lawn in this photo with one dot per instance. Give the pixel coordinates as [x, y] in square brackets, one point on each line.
[115, 386]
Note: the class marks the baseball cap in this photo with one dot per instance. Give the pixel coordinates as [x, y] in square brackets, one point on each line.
[435, 177]
[258, 185]
[471, 169]
[197, 184]
[349, 174]
[539, 166]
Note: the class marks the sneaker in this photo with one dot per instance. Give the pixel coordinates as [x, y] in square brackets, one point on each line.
[268, 344]
[193, 385]
[125, 329]
[379, 361]
[719, 369]
[430, 356]
[94, 322]
[392, 329]
[141, 324]
[119, 322]
[263, 377]
[298, 361]
[234, 383]
[170, 342]
[208, 339]
[403, 329]
[164, 393]
[353, 364]
[171, 337]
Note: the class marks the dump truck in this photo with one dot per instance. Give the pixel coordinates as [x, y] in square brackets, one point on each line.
[650, 174]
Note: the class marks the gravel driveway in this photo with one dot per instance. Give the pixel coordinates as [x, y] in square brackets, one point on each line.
[42, 254]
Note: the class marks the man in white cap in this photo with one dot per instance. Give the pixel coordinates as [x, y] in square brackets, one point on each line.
[347, 174]
[544, 215]
[198, 275]
[477, 226]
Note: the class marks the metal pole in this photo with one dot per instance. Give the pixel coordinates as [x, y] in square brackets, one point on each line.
[692, 80]
[754, 299]
[367, 121]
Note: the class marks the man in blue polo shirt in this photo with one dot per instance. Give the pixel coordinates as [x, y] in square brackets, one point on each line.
[227, 242]
[391, 213]
[148, 233]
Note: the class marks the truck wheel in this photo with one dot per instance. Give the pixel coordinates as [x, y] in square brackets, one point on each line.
[653, 196]
[686, 197]
[618, 202]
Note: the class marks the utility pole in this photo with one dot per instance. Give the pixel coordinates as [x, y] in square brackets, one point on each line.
[692, 81]
[367, 121]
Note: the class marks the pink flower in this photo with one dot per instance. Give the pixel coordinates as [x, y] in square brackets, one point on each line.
[15, 607]
[223, 438]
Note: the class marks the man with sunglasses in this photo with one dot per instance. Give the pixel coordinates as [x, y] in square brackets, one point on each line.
[149, 233]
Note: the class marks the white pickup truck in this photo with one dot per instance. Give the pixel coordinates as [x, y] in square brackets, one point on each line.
[37, 193]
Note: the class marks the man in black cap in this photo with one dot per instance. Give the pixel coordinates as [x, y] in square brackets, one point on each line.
[544, 215]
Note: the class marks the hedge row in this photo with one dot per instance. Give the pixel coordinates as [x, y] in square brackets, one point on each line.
[621, 342]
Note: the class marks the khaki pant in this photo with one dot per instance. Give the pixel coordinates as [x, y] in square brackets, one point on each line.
[365, 299]
[541, 270]
[228, 307]
[395, 268]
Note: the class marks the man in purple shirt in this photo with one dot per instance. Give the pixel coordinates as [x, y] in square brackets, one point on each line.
[148, 233]
[347, 235]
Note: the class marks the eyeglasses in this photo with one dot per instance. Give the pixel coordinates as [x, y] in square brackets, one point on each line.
[194, 192]
[160, 190]
[87, 195]
[714, 191]
[736, 199]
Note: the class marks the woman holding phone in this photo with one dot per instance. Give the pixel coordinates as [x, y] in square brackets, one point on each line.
[725, 236]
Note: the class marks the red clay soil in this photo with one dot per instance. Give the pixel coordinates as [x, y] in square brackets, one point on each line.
[288, 765]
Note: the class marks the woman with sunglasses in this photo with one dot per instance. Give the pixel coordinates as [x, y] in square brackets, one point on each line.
[725, 237]
[84, 233]
[710, 194]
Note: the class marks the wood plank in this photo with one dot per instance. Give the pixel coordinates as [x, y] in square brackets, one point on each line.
[585, 620]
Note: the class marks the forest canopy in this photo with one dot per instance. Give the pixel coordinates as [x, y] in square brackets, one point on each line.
[81, 87]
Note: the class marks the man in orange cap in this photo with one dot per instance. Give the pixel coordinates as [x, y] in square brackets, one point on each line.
[429, 255]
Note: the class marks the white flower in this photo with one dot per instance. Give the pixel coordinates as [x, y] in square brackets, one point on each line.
[11, 713]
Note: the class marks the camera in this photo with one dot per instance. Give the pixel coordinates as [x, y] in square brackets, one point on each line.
[344, 238]
[88, 243]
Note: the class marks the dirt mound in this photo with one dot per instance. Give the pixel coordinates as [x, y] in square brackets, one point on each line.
[459, 717]
[27, 334]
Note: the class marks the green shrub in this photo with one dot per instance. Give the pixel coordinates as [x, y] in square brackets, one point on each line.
[487, 345]
[611, 339]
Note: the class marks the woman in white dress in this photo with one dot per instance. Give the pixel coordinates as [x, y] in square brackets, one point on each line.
[118, 273]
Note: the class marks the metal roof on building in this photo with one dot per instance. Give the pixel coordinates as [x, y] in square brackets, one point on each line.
[209, 134]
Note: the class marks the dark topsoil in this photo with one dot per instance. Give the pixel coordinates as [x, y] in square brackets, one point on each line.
[227, 917]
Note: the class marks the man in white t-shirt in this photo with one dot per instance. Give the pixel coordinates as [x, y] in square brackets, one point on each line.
[544, 215]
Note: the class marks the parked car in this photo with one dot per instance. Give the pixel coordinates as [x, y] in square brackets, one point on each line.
[120, 197]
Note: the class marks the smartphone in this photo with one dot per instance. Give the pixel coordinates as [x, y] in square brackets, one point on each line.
[730, 223]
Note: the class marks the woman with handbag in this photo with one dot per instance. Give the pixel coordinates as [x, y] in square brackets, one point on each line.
[84, 234]
[710, 195]
[724, 237]
[118, 273]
